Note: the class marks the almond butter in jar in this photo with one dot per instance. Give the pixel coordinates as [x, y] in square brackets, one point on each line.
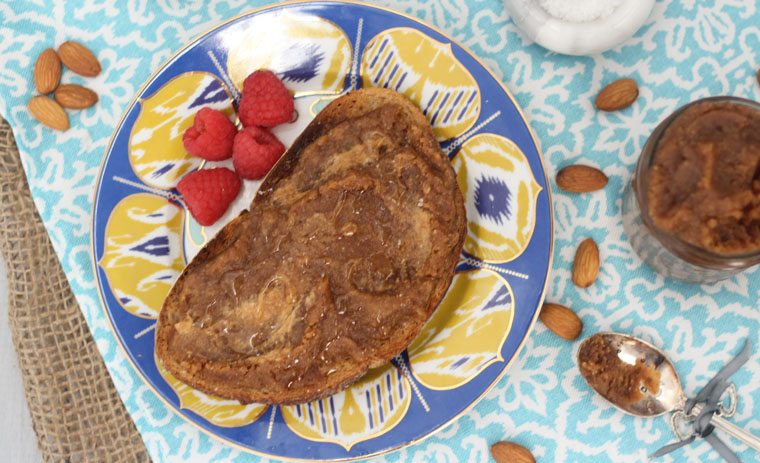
[692, 209]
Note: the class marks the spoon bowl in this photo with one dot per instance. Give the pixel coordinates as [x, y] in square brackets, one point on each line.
[629, 349]
[669, 396]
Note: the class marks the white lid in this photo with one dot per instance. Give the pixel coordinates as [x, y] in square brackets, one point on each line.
[579, 38]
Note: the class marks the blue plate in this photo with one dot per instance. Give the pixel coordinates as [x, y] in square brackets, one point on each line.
[143, 237]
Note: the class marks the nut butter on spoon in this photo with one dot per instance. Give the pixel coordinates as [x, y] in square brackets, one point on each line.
[638, 379]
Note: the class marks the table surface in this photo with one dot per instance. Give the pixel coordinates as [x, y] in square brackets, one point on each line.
[17, 440]
[686, 51]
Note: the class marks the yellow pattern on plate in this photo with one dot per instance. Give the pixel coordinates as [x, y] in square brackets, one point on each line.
[156, 152]
[500, 195]
[428, 73]
[466, 332]
[218, 411]
[311, 54]
[142, 255]
[371, 407]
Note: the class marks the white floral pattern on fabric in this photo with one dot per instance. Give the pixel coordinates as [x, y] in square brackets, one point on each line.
[685, 51]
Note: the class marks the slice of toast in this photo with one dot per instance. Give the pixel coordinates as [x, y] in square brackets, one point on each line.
[348, 247]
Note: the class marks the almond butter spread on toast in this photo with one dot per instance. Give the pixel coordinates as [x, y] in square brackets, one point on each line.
[348, 247]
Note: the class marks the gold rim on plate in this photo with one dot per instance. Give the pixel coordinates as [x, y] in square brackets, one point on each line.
[440, 426]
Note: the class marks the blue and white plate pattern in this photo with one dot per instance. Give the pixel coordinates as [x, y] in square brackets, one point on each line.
[143, 237]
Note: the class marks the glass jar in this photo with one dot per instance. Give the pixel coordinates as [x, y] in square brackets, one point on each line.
[668, 254]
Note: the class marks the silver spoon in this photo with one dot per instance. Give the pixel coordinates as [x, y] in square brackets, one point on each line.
[670, 397]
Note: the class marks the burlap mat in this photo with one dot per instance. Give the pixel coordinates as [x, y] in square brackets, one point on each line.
[76, 412]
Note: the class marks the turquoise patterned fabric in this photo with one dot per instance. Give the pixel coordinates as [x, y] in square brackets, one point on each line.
[687, 50]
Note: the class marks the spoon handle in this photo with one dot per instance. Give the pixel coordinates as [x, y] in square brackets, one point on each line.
[731, 429]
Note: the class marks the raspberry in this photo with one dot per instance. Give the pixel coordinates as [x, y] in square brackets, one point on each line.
[211, 135]
[208, 193]
[255, 151]
[266, 101]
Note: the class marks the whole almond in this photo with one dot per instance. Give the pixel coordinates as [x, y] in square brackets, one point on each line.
[74, 96]
[47, 71]
[509, 452]
[581, 179]
[79, 59]
[561, 320]
[586, 264]
[617, 95]
[48, 112]
[757, 76]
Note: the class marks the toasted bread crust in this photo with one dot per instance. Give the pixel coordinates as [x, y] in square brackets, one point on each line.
[299, 307]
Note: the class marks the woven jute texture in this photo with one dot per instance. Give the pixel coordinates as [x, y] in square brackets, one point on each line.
[76, 412]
